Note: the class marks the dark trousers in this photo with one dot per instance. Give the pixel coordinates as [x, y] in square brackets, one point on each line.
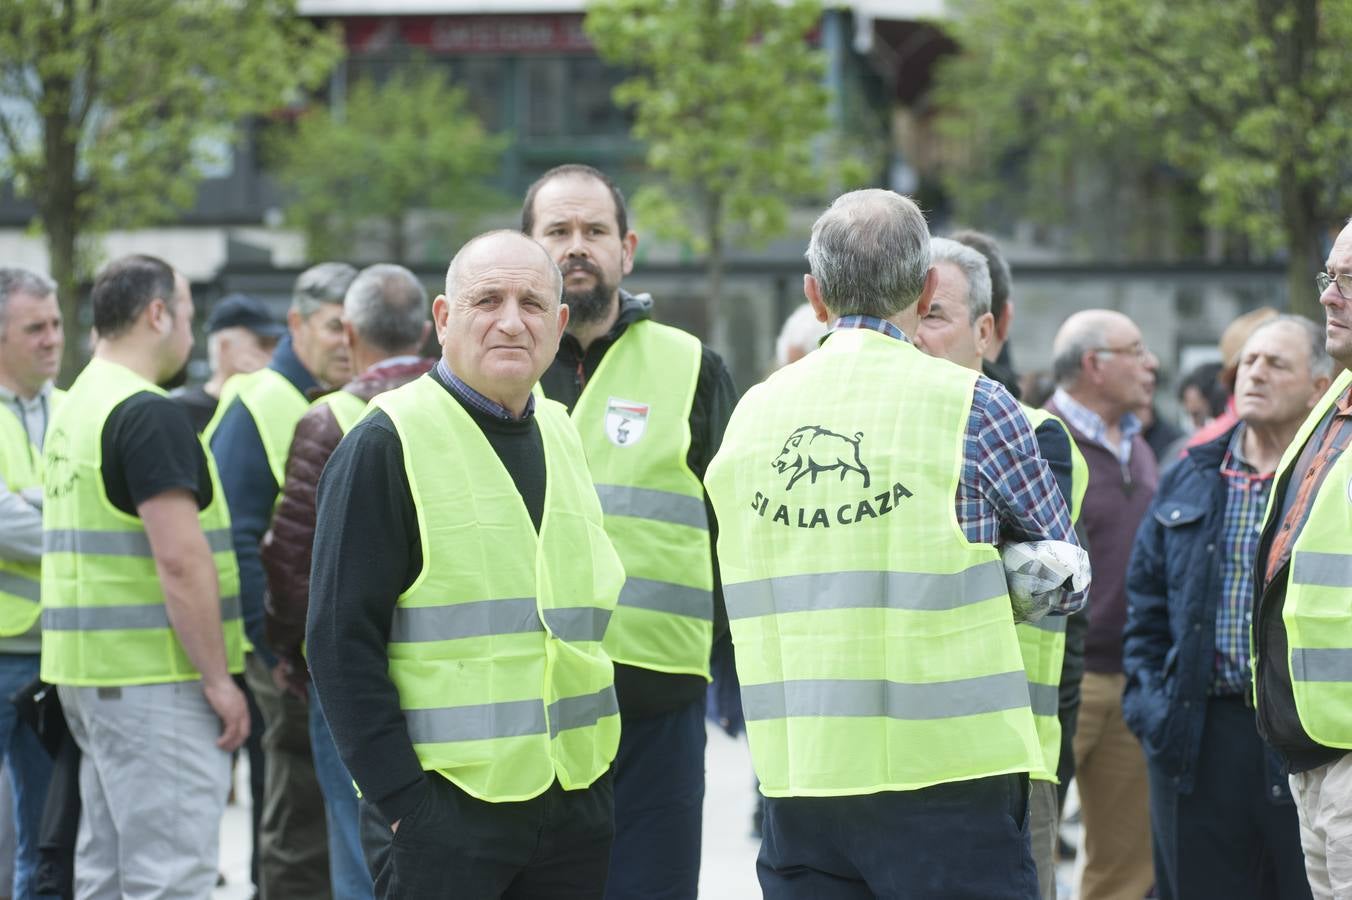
[556, 845]
[967, 840]
[293, 839]
[1236, 835]
[659, 807]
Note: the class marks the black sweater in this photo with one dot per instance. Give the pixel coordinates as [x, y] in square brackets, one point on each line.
[366, 553]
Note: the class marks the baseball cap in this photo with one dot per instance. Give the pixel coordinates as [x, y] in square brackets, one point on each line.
[243, 311]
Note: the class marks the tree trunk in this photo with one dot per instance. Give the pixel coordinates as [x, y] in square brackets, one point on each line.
[398, 239]
[713, 300]
[1303, 260]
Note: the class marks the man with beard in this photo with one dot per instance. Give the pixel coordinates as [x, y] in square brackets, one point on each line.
[651, 404]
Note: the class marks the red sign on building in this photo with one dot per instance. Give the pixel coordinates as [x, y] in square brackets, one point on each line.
[464, 35]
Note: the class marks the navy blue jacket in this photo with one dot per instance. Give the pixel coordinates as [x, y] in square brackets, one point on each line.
[1173, 589]
[251, 491]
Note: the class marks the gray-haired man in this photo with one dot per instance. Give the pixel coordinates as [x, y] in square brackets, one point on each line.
[31, 340]
[250, 437]
[385, 316]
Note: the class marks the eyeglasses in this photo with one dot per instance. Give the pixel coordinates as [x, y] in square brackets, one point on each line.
[1344, 283]
[1138, 350]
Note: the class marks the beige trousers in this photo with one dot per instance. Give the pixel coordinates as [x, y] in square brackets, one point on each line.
[1324, 802]
[1114, 796]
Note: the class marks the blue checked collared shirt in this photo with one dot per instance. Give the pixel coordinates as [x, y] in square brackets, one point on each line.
[1246, 494]
[1005, 491]
[479, 401]
[1092, 426]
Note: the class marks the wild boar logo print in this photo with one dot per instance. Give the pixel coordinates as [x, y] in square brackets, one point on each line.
[812, 449]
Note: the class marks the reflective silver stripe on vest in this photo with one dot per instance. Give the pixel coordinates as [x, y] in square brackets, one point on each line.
[118, 543]
[1309, 664]
[21, 586]
[115, 618]
[453, 621]
[660, 506]
[1054, 624]
[662, 596]
[578, 623]
[1322, 569]
[864, 590]
[479, 722]
[885, 699]
[582, 712]
[1046, 698]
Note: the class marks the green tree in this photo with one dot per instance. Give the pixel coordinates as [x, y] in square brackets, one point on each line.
[1245, 99]
[108, 109]
[728, 97]
[409, 143]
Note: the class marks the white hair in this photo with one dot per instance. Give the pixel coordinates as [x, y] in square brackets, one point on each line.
[801, 331]
[973, 267]
[870, 254]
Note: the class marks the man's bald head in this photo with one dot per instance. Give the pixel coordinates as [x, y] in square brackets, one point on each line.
[1100, 358]
[1085, 331]
[495, 245]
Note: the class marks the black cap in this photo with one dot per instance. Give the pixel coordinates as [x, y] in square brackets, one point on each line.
[243, 311]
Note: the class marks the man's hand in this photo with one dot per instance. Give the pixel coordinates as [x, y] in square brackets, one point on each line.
[291, 679]
[228, 702]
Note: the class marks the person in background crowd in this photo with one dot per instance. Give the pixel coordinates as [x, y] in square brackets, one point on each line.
[458, 600]
[884, 771]
[1220, 809]
[1301, 631]
[997, 364]
[241, 335]
[1232, 339]
[385, 318]
[650, 403]
[140, 622]
[1161, 435]
[799, 336]
[1104, 370]
[250, 437]
[31, 341]
[958, 327]
[1202, 396]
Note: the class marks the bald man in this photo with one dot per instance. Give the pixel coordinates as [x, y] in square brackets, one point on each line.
[1103, 371]
[457, 607]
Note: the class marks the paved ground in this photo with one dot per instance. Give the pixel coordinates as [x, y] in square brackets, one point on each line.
[728, 871]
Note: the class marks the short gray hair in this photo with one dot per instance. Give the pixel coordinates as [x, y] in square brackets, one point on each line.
[320, 285]
[1321, 364]
[453, 270]
[1068, 358]
[973, 267]
[870, 254]
[387, 306]
[14, 280]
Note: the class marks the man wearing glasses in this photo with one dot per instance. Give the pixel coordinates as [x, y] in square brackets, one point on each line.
[1302, 618]
[1103, 371]
[1220, 810]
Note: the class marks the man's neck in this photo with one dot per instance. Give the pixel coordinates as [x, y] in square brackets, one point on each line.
[130, 354]
[22, 391]
[587, 332]
[1265, 444]
[1110, 413]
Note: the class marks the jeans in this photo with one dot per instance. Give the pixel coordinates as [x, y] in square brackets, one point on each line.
[347, 868]
[30, 768]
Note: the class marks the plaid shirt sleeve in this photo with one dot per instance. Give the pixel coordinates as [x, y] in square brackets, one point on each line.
[1006, 492]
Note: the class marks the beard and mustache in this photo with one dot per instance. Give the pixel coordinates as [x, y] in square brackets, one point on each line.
[593, 304]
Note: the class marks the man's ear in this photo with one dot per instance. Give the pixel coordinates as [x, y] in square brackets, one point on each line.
[293, 321]
[922, 305]
[158, 315]
[983, 332]
[441, 312]
[813, 292]
[627, 247]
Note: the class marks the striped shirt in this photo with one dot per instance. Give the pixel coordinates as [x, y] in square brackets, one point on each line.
[1246, 494]
[478, 401]
[1005, 492]
[1091, 425]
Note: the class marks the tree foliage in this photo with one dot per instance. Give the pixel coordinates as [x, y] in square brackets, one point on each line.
[409, 143]
[1244, 99]
[108, 108]
[728, 96]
